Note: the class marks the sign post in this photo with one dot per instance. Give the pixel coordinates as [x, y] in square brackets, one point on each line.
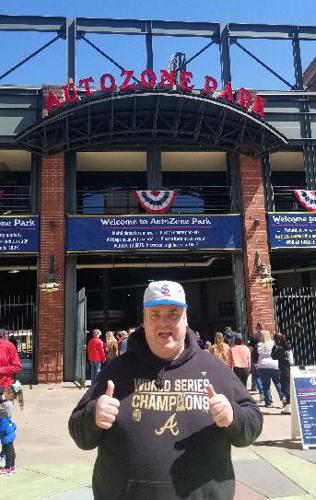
[303, 402]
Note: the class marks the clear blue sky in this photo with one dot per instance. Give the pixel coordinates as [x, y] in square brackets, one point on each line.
[49, 67]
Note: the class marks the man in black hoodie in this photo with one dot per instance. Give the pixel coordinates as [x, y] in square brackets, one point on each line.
[165, 414]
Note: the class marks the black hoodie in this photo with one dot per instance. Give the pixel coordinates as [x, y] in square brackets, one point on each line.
[164, 444]
[280, 352]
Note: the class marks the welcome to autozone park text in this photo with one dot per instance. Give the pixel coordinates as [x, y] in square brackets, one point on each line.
[156, 221]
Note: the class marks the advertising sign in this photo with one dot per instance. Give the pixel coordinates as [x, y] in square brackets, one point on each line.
[19, 234]
[156, 233]
[292, 229]
[304, 391]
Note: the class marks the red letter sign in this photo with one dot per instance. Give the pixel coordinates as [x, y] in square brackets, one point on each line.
[258, 106]
[85, 82]
[210, 84]
[52, 100]
[126, 85]
[185, 78]
[68, 97]
[111, 88]
[244, 98]
[148, 78]
[167, 77]
[227, 93]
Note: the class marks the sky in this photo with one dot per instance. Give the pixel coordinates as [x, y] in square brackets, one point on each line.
[129, 51]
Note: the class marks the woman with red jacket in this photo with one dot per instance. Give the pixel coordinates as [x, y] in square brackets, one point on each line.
[10, 363]
[96, 354]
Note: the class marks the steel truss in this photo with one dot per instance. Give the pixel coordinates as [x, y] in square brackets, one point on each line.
[165, 118]
[74, 29]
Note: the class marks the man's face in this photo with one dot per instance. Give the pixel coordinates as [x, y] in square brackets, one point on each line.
[165, 329]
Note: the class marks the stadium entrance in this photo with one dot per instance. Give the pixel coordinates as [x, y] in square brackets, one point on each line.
[115, 292]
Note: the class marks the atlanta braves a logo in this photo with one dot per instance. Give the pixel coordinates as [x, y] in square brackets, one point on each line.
[171, 424]
[165, 291]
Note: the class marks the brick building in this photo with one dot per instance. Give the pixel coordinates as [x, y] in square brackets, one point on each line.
[109, 184]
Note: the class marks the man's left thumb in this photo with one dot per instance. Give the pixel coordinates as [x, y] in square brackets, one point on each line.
[210, 391]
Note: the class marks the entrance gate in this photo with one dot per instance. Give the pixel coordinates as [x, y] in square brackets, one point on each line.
[17, 323]
[295, 311]
[80, 370]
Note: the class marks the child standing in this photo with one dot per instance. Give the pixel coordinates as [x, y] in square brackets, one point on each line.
[7, 427]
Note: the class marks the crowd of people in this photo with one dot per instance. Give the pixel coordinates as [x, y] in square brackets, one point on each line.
[268, 357]
[100, 352]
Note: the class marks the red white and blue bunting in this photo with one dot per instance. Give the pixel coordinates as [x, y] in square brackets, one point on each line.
[155, 202]
[307, 199]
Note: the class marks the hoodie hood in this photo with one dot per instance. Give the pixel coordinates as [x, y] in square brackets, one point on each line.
[138, 346]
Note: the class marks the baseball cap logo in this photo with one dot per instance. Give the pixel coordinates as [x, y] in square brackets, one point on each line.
[161, 293]
[165, 291]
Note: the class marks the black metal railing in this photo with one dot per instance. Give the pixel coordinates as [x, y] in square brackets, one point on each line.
[189, 199]
[285, 200]
[17, 324]
[295, 311]
[15, 199]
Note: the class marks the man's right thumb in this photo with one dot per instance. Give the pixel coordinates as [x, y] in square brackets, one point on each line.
[211, 391]
[110, 389]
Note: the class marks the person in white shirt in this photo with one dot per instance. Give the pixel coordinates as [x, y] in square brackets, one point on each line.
[267, 367]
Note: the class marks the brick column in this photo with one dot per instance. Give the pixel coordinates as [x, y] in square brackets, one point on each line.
[258, 296]
[50, 334]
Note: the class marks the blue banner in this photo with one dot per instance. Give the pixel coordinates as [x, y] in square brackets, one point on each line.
[305, 391]
[292, 229]
[19, 234]
[153, 232]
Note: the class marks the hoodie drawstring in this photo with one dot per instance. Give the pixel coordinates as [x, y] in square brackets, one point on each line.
[160, 377]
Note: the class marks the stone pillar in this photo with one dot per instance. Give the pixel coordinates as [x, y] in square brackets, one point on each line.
[50, 331]
[258, 296]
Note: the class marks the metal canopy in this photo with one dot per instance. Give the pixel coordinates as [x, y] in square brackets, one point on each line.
[141, 119]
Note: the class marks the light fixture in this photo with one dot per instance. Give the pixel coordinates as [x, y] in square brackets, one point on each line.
[264, 277]
[50, 284]
[13, 271]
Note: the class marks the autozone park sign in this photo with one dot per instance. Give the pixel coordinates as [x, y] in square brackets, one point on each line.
[149, 79]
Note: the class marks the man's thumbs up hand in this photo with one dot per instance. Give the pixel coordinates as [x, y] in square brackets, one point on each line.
[107, 408]
[220, 408]
[110, 389]
[211, 391]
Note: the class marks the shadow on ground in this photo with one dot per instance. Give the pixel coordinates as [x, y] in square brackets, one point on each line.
[289, 444]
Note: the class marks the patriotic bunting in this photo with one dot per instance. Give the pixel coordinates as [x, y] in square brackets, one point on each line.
[155, 202]
[307, 199]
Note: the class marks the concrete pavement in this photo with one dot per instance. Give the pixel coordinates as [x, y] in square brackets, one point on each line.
[50, 466]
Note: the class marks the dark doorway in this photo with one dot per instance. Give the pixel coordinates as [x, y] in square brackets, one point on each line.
[18, 315]
[114, 296]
